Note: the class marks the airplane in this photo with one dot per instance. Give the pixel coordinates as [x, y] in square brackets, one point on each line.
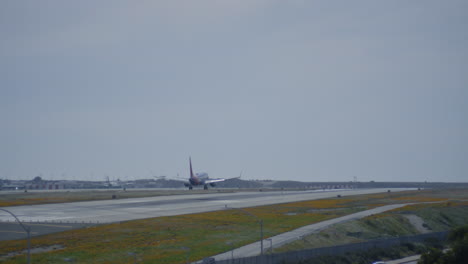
[202, 178]
[113, 184]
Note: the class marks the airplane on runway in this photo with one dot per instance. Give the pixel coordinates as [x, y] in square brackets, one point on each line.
[199, 179]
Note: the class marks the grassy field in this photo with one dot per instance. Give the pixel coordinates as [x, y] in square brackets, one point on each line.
[172, 239]
[436, 216]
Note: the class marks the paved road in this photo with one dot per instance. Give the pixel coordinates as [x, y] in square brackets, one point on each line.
[284, 238]
[109, 211]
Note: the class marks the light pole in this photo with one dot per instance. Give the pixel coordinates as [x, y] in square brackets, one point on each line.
[28, 231]
[260, 221]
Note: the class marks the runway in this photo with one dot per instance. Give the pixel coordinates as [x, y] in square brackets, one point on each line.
[109, 211]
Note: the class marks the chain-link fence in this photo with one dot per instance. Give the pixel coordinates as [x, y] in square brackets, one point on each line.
[301, 255]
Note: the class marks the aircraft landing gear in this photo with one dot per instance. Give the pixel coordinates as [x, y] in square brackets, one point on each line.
[205, 187]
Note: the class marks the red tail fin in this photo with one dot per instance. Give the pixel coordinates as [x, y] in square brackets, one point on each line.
[191, 171]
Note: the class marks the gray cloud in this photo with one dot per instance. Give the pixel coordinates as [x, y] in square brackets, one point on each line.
[284, 90]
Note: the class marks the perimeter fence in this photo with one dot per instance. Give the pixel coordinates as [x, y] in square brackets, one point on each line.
[302, 255]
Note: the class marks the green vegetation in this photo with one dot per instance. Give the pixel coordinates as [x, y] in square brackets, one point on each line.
[371, 255]
[457, 254]
[436, 217]
[168, 239]
[441, 217]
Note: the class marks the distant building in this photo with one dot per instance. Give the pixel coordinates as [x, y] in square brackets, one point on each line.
[44, 185]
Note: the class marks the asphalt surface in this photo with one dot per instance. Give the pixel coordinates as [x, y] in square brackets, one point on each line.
[49, 218]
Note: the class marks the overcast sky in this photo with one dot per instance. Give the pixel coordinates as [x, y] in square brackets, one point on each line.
[284, 90]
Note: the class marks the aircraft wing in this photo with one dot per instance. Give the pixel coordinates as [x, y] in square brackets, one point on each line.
[220, 180]
[213, 181]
